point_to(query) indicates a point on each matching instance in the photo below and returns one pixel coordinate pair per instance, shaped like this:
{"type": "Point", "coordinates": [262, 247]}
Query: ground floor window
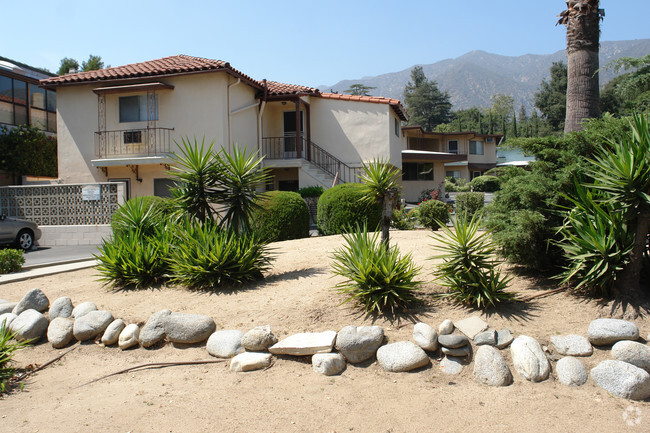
{"type": "Point", "coordinates": [417, 171]}
{"type": "Point", "coordinates": [474, 174]}
{"type": "Point", "coordinates": [162, 187]}
{"type": "Point", "coordinates": [453, 173]}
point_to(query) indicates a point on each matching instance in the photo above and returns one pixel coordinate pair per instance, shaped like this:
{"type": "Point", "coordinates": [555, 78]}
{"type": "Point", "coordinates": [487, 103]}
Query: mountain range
{"type": "Point", "coordinates": [473, 78]}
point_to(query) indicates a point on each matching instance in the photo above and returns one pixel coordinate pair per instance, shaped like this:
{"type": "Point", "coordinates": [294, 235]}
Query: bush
{"type": "Point", "coordinates": [11, 260]}
{"type": "Point", "coordinates": [456, 184]}
{"type": "Point", "coordinates": [433, 212]}
{"type": "Point", "coordinates": [429, 194]}
{"type": "Point", "coordinates": [377, 279]}
{"type": "Point", "coordinates": [468, 268]}
{"type": "Point", "coordinates": [8, 346]}
{"type": "Point", "coordinates": [311, 191]}
{"type": "Point", "coordinates": [403, 219]}
{"type": "Point", "coordinates": [282, 215]}
{"type": "Point", "coordinates": [342, 207]}
{"type": "Point", "coordinates": [469, 203]}
{"type": "Point", "coordinates": [485, 184]}
{"type": "Point", "coordinates": [144, 213]}
{"type": "Point", "coordinates": [26, 150]}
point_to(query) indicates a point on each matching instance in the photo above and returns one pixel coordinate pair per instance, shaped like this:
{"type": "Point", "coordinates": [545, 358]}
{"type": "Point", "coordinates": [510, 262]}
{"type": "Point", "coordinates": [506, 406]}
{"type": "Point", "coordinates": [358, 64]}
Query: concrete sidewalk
{"type": "Point", "coordinates": [46, 270]}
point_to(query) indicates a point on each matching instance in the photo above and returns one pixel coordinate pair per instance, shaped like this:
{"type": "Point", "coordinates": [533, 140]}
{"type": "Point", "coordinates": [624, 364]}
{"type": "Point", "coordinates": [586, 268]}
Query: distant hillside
{"type": "Point", "coordinates": [473, 78]}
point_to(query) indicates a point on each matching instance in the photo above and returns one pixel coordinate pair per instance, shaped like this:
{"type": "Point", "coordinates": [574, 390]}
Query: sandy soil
{"type": "Point", "coordinates": [289, 397]}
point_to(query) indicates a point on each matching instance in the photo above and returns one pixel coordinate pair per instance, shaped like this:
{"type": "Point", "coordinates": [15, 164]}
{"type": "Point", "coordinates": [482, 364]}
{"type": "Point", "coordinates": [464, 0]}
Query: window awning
{"type": "Point", "coordinates": [425, 155]}
{"type": "Point", "coordinates": [132, 88]}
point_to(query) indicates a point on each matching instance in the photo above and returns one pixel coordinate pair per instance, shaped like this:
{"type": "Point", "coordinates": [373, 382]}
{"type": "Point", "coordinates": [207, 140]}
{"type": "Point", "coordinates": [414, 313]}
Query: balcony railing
{"type": "Point", "coordinates": [133, 142]}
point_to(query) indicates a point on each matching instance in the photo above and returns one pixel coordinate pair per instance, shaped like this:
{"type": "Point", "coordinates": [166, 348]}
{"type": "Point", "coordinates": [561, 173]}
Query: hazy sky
{"type": "Point", "coordinates": [301, 42]}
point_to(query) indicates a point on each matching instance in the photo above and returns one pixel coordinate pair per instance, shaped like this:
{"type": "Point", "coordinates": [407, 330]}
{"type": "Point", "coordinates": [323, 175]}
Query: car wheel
{"type": "Point", "coordinates": [25, 239]}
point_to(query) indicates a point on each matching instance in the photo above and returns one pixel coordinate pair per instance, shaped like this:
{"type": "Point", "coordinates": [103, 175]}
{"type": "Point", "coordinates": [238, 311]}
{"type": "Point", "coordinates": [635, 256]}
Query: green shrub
{"type": "Point", "coordinates": [8, 346]}
{"type": "Point", "coordinates": [429, 194]}
{"type": "Point", "coordinates": [456, 184]}
{"type": "Point", "coordinates": [11, 260]}
{"type": "Point", "coordinates": [485, 183]}
{"type": "Point", "coordinates": [433, 212]}
{"type": "Point", "coordinates": [468, 267]}
{"type": "Point", "coordinates": [470, 203]}
{"type": "Point", "coordinates": [144, 213]}
{"type": "Point", "coordinates": [282, 215]}
{"type": "Point", "coordinates": [311, 191]}
{"type": "Point", "coordinates": [377, 279]}
{"type": "Point", "coordinates": [403, 219]}
{"type": "Point", "coordinates": [342, 207]}
{"type": "Point", "coordinates": [209, 257]}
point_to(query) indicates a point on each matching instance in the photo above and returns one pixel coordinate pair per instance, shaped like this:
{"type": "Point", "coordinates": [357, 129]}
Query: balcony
{"type": "Point", "coordinates": [145, 142]}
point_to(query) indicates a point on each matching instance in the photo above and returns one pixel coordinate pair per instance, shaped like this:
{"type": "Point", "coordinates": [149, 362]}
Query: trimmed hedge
{"type": "Point", "coordinates": [485, 183]}
{"type": "Point", "coordinates": [283, 215]}
{"type": "Point", "coordinates": [469, 203]}
{"type": "Point", "coordinates": [341, 207]}
{"type": "Point", "coordinates": [11, 260]}
{"type": "Point", "coordinates": [432, 211]}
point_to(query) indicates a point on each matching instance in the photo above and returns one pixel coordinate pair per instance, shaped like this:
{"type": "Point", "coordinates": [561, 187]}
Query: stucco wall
{"type": "Point", "coordinates": [411, 189]}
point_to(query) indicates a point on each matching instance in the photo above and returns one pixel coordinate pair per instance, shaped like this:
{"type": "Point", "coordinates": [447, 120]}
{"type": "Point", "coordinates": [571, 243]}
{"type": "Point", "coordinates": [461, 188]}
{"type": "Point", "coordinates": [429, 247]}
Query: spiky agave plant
{"type": "Point", "coordinates": [8, 347]}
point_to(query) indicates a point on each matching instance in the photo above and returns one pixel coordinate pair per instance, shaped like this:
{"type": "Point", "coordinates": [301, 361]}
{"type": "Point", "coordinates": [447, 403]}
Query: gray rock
{"type": "Point", "coordinates": [154, 330]}
{"type": "Point", "coordinates": [633, 353]}
{"type": "Point", "coordinates": [425, 336]}
{"type": "Point", "coordinates": [490, 368]}
{"type": "Point", "coordinates": [451, 365]}
{"type": "Point", "coordinates": [504, 338]}
{"type": "Point", "coordinates": [249, 361]}
{"type": "Point", "coordinates": [452, 341]}
{"type": "Point", "coordinates": [328, 364]}
{"type": "Point", "coordinates": [112, 333]}
{"type": "Point", "coordinates": [59, 333]}
{"type": "Point", "coordinates": [83, 309]}
{"type": "Point", "coordinates": [609, 331]}
{"type": "Point", "coordinates": [446, 327]}
{"type": "Point", "coordinates": [622, 379]}
{"type": "Point", "coordinates": [571, 372]}
{"type": "Point", "coordinates": [129, 336]}
{"type": "Point", "coordinates": [225, 344]}
{"type": "Point", "coordinates": [30, 325]}
{"type": "Point", "coordinates": [91, 325]}
{"type": "Point", "coordinates": [472, 326]}
{"type": "Point", "coordinates": [306, 343]}
{"type": "Point", "coordinates": [401, 356]}
{"type": "Point", "coordinates": [529, 360]}
{"type": "Point", "coordinates": [7, 307]}
{"type": "Point", "coordinates": [258, 339]}
{"type": "Point", "coordinates": [62, 307]}
{"type": "Point", "coordinates": [188, 328]}
{"type": "Point", "coordinates": [488, 337]}
{"type": "Point", "coordinates": [35, 299]}
{"type": "Point", "coordinates": [458, 351]}
{"type": "Point", "coordinates": [6, 319]}
{"type": "Point", "coordinates": [359, 343]}
{"type": "Point", "coordinates": [3, 301]}
{"type": "Point", "coordinates": [572, 345]}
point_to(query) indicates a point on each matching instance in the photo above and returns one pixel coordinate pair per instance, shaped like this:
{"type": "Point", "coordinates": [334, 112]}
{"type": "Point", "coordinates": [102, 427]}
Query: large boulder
{"type": "Point", "coordinates": [328, 364]}
{"type": "Point", "coordinates": [572, 345]}
{"type": "Point", "coordinates": [571, 372]}
{"type": "Point", "coordinates": [154, 330]}
{"type": "Point", "coordinates": [609, 331]}
{"type": "Point", "coordinates": [359, 343]}
{"type": "Point", "coordinates": [35, 299]}
{"type": "Point", "coordinates": [401, 356]}
{"type": "Point", "coordinates": [249, 361]}
{"type": "Point", "coordinates": [30, 325]}
{"type": "Point", "coordinates": [112, 333]}
{"type": "Point", "coordinates": [305, 343]}
{"type": "Point", "coordinates": [92, 325]}
{"type": "Point", "coordinates": [60, 332]}
{"type": "Point", "coordinates": [129, 336]}
{"type": "Point", "coordinates": [225, 344]}
{"type": "Point", "coordinates": [622, 379]}
{"type": "Point", "coordinates": [83, 309]}
{"type": "Point", "coordinates": [62, 307]}
{"type": "Point", "coordinates": [188, 328]}
{"type": "Point", "coordinates": [258, 339]}
{"type": "Point", "coordinates": [490, 368]}
{"type": "Point", "coordinates": [633, 353]}
{"type": "Point", "coordinates": [425, 336]}
{"type": "Point", "coordinates": [529, 359]}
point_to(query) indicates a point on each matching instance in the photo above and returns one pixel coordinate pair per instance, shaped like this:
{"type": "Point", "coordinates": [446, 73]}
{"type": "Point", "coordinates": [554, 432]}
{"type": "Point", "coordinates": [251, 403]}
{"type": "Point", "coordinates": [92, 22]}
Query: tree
{"type": "Point", "coordinates": [582, 20]}
{"type": "Point", "coordinates": [550, 99]}
{"type": "Point", "coordinates": [427, 105]}
{"type": "Point", "coordinates": [92, 64]}
{"type": "Point", "coordinates": [381, 184]}
{"type": "Point", "coordinates": [629, 92]}
{"type": "Point", "coordinates": [359, 89]}
{"type": "Point", "coordinates": [67, 64]}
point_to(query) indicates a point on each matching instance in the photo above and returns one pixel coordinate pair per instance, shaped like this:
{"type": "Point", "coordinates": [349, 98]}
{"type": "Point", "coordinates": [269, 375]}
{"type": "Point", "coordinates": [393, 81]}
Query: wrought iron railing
{"type": "Point", "coordinates": [133, 142]}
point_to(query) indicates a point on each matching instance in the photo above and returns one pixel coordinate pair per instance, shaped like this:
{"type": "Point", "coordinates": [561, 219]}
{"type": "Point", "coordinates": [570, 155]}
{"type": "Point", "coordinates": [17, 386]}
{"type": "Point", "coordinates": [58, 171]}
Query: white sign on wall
{"type": "Point", "coordinates": [90, 193]}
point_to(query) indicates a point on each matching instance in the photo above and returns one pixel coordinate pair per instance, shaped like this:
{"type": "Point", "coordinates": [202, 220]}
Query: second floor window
{"type": "Point", "coordinates": [452, 146]}
{"type": "Point", "coordinates": [134, 108]}
{"type": "Point", "coordinates": [476, 148]}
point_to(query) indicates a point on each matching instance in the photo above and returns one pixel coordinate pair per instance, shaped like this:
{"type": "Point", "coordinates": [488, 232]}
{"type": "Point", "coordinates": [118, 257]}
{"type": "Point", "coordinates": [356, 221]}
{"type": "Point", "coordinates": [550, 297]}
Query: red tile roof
{"type": "Point", "coordinates": [174, 65]}
{"type": "Point", "coordinates": [276, 89]}
{"type": "Point", "coordinates": [396, 104]}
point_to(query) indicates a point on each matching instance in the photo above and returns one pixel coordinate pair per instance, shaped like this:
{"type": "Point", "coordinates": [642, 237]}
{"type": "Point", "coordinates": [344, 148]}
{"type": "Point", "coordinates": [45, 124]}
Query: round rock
{"type": "Point", "coordinates": [62, 307]}
{"type": "Point", "coordinates": [129, 336]}
{"type": "Point", "coordinates": [30, 325]}
{"type": "Point", "coordinates": [609, 331]}
{"type": "Point", "coordinates": [488, 337]}
{"type": "Point", "coordinates": [35, 299]}
{"type": "Point", "coordinates": [451, 341]}
{"type": "Point", "coordinates": [425, 336]}
{"type": "Point", "coordinates": [154, 330]}
{"type": "Point", "coordinates": [91, 325]}
{"type": "Point", "coordinates": [446, 327]}
{"type": "Point", "coordinates": [622, 379]}
{"type": "Point", "coordinates": [571, 372]}
{"type": "Point", "coordinates": [328, 364]}
{"type": "Point", "coordinates": [633, 353]}
{"type": "Point", "coordinates": [504, 338]}
{"type": "Point", "coordinates": [572, 345]}
{"type": "Point", "coordinates": [83, 309]}
{"type": "Point", "coordinates": [401, 356]}
{"type": "Point", "coordinates": [359, 343]}
{"type": "Point", "coordinates": [225, 344]}
{"type": "Point", "coordinates": [59, 333]}
{"type": "Point", "coordinates": [188, 328]}
{"type": "Point", "coordinates": [451, 365]}
{"type": "Point", "coordinates": [7, 307]}
{"type": "Point", "coordinates": [258, 339]}
{"type": "Point", "coordinates": [458, 351]}
{"type": "Point", "coordinates": [249, 361]}
{"type": "Point", "coordinates": [529, 359]}
{"type": "Point", "coordinates": [490, 368]}
{"type": "Point", "coordinates": [112, 333]}
{"type": "Point", "coordinates": [6, 319]}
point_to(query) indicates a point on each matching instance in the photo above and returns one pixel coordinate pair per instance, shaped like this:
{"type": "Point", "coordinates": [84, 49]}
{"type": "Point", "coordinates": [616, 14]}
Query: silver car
{"type": "Point", "coordinates": [20, 233]}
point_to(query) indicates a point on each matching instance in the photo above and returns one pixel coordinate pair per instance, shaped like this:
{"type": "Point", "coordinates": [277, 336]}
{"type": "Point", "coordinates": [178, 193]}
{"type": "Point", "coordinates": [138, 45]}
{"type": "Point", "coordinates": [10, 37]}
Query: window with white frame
{"type": "Point", "coordinates": [475, 147]}
{"type": "Point", "coordinates": [134, 108]}
{"type": "Point", "coordinates": [453, 173]}
{"type": "Point", "coordinates": [452, 146]}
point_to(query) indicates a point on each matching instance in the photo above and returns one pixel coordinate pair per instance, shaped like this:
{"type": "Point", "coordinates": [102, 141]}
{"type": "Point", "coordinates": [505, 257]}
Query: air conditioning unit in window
{"type": "Point", "coordinates": [132, 137]}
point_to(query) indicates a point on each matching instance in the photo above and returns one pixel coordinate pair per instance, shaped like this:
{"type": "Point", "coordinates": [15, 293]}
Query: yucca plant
{"type": "Point", "coordinates": [380, 181]}
{"type": "Point", "coordinates": [8, 347]}
{"type": "Point", "coordinates": [209, 257]}
{"type": "Point", "coordinates": [138, 213]}
{"type": "Point", "coordinates": [469, 268]}
{"type": "Point", "coordinates": [378, 279]}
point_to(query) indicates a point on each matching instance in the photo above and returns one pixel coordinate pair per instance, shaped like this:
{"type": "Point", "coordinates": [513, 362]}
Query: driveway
{"type": "Point", "coordinates": [59, 254]}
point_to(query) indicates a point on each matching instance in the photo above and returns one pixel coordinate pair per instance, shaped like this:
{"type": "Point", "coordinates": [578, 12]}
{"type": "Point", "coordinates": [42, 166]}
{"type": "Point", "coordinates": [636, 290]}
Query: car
{"type": "Point", "coordinates": [20, 233]}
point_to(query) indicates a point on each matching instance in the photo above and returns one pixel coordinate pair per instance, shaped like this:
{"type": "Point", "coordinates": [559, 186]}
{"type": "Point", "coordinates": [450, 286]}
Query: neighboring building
{"type": "Point", "coordinates": [122, 123]}
{"type": "Point", "coordinates": [429, 157]}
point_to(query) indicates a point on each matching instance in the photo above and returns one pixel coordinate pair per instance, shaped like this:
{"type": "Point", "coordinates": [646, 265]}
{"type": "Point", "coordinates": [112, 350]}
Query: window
{"type": "Point", "coordinates": [131, 137]}
{"type": "Point", "coordinates": [134, 108]}
{"type": "Point", "coordinates": [396, 126]}
{"type": "Point", "coordinates": [162, 187]}
{"type": "Point", "coordinates": [452, 146]}
{"type": "Point", "coordinates": [417, 171]}
{"type": "Point", "coordinates": [474, 174]}
{"type": "Point", "coordinates": [14, 109]}
{"type": "Point", "coordinates": [489, 139]}
{"type": "Point", "coordinates": [475, 147]}
{"type": "Point", "coordinates": [453, 173]}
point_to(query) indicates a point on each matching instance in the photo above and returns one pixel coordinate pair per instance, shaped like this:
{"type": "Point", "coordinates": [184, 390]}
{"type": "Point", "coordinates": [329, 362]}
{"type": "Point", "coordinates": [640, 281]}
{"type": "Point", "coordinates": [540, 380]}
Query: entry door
{"type": "Point", "coordinates": [290, 150]}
